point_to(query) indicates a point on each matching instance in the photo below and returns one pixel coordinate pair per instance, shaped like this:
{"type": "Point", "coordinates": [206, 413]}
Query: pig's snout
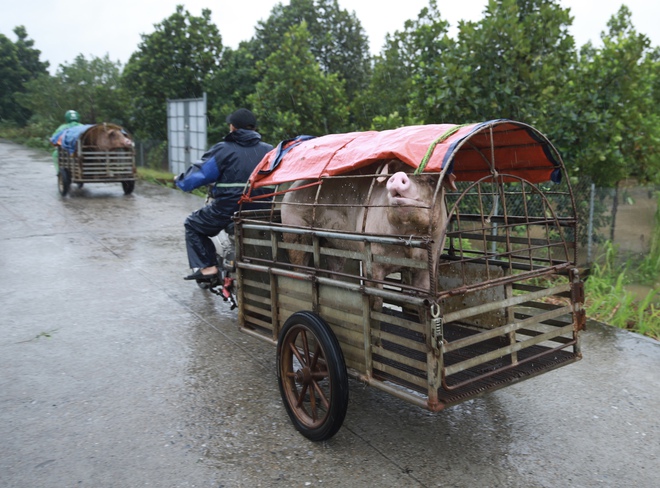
{"type": "Point", "coordinates": [398, 184]}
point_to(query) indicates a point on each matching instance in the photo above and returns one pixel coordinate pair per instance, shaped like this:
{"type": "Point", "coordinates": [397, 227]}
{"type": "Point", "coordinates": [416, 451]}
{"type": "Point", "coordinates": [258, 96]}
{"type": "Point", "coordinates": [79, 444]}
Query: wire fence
{"type": "Point", "coordinates": [152, 155]}
{"type": "Point", "coordinates": [626, 217]}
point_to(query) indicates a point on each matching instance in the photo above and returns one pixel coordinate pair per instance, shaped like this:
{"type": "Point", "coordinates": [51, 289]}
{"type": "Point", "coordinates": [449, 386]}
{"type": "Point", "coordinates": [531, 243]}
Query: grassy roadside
{"type": "Point", "coordinates": [608, 291]}
{"type": "Point", "coordinates": [609, 300]}
{"type": "Point", "coordinates": [163, 178]}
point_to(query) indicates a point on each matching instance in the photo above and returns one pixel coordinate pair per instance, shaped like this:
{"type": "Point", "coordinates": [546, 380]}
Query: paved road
{"type": "Point", "coordinates": [114, 372]}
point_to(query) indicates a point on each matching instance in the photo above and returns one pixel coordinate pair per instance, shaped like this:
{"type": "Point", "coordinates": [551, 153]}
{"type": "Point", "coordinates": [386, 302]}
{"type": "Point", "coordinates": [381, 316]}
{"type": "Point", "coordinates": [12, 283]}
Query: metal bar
{"type": "Point", "coordinates": [397, 373]}
{"type": "Point", "coordinates": [504, 351]}
{"type": "Point", "coordinates": [515, 220]}
{"type": "Point", "coordinates": [256, 334]}
{"type": "Point", "coordinates": [502, 281]}
{"type": "Point", "coordinates": [502, 330]}
{"type": "Point", "coordinates": [398, 392]}
{"type": "Point", "coordinates": [517, 300]}
{"type": "Point", "coordinates": [448, 387]}
{"type": "Point", "coordinates": [400, 240]}
{"type": "Point", "coordinates": [401, 341]}
{"type": "Point", "coordinates": [394, 296]}
{"type": "Point", "coordinates": [515, 240]}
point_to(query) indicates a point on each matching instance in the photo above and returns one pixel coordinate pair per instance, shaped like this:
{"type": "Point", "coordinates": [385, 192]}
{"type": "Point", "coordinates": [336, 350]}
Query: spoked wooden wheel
{"type": "Point", "coordinates": [312, 376]}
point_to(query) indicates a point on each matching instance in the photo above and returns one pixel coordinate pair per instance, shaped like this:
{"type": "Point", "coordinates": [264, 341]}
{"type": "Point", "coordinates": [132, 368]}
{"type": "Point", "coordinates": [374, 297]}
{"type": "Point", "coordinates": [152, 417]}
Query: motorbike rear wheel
{"type": "Point", "coordinates": [128, 187]}
{"type": "Point", "coordinates": [63, 181]}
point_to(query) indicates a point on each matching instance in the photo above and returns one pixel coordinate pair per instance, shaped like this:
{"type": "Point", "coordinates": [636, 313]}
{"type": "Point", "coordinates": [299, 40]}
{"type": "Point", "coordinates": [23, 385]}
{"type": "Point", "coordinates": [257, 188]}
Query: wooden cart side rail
{"type": "Point", "coordinates": [342, 253]}
{"type": "Point", "coordinates": [518, 346]}
{"type": "Point", "coordinates": [515, 300]}
{"type": "Point", "coordinates": [388, 295]}
{"type": "Point", "coordinates": [412, 379]}
{"type": "Point", "coordinates": [530, 268]}
{"type": "Point", "coordinates": [530, 323]}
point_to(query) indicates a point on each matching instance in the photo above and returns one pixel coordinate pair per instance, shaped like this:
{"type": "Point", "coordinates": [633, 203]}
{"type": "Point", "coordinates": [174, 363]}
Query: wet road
{"type": "Point", "coordinates": [115, 372]}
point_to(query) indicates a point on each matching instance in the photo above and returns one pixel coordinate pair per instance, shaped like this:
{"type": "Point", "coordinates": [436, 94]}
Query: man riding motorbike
{"type": "Point", "coordinates": [227, 167]}
{"type": "Point", "coordinates": [72, 119]}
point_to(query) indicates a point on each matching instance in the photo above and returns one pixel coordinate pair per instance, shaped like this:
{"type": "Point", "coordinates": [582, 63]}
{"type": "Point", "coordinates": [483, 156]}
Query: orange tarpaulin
{"type": "Point", "coordinates": [470, 152]}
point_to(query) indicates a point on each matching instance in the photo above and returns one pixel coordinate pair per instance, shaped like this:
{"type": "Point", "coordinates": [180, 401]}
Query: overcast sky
{"type": "Point", "coordinates": [63, 29]}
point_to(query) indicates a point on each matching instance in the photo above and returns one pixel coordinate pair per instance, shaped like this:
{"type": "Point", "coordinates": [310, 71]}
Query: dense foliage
{"type": "Point", "coordinates": [293, 95]}
{"type": "Point", "coordinates": [175, 61]}
{"type": "Point", "coordinates": [19, 63]}
{"type": "Point", "coordinates": [91, 87]}
{"type": "Point", "coordinates": [307, 69]}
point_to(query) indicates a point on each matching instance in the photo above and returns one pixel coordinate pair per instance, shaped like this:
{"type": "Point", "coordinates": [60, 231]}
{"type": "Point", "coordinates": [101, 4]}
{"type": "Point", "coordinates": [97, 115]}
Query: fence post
{"type": "Point", "coordinates": [590, 224]}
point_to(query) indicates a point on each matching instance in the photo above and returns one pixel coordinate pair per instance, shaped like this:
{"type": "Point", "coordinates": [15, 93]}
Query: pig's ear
{"type": "Point", "coordinates": [384, 172]}
{"type": "Point", "coordinates": [448, 182]}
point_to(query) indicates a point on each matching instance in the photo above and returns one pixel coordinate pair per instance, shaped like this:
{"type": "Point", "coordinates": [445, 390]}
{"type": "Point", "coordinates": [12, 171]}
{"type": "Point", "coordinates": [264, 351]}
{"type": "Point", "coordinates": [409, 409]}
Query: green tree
{"type": "Point", "coordinates": [19, 63]}
{"type": "Point", "coordinates": [229, 88]}
{"type": "Point", "coordinates": [175, 61]}
{"type": "Point", "coordinates": [28, 55]}
{"type": "Point", "coordinates": [406, 54]}
{"type": "Point", "coordinates": [507, 65]}
{"type": "Point", "coordinates": [337, 39]}
{"type": "Point", "coordinates": [610, 128]}
{"type": "Point", "coordinates": [91, 87]}
{"type": "Point", "coordinates": [613, 127]}
{"type": "Point", "coordinates": [294, 95]}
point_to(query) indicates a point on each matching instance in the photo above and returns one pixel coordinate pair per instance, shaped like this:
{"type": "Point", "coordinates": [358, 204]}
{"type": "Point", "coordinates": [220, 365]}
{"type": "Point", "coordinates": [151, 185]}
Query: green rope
{"type": "Point", "coordinates": [429, 151]}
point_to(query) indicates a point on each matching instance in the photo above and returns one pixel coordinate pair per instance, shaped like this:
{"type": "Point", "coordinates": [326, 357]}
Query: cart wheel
{"type": "Point", "coordinates": [63, 181]}
{"type": "Point", "coordinates": [312, 376]}
{"type": "Point", "coordinates": [128, 187]}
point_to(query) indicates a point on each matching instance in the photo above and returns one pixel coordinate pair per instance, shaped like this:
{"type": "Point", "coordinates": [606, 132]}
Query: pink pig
{"type": "Point", "coordinates": [398, 204]}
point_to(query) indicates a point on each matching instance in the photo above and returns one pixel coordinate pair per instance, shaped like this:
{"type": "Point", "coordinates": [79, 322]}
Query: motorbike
{"type": "Point", "coordinates": [225, 248]}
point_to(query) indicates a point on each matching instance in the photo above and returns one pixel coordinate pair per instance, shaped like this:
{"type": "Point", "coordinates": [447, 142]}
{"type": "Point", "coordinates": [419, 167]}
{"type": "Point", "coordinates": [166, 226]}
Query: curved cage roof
{"type": "Point", "coordinates": [470, 152]}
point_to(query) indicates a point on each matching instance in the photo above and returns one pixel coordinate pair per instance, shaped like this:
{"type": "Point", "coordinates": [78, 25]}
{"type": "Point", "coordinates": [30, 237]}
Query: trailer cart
{"type": "Point", "coordinates": [504, 301]}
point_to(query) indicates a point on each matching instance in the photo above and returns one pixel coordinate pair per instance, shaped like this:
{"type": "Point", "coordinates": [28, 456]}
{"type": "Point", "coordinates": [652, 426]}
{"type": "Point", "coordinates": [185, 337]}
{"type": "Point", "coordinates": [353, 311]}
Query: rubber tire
{"type": "Point", "coordinates": [316, 420]}
{"type": "Point", "coordinates": [204, 285]}
{"type": "Point", "coordinates": [128, 187]}
{"type": "Point", "coordinates": [63, 181]}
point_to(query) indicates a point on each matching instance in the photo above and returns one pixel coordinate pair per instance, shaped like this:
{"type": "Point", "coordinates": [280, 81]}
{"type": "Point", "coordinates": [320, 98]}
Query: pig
{"type": "Point", "coordinates": [398, 204]}
{"type": "Point", "coordinates": [104, 137]}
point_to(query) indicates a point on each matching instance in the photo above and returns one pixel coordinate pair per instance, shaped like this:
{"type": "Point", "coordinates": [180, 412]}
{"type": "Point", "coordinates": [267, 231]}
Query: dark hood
{"type": "Point", "coordinates": [244, 137]}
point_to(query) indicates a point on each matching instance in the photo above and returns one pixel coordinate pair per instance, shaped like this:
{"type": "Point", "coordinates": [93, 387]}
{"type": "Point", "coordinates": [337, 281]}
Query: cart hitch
{"type": "Point", "coordinates": [225, 291]}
